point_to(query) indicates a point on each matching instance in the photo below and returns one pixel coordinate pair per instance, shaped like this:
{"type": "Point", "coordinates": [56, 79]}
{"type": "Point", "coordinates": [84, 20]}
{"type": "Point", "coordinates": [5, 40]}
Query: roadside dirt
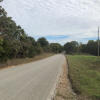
{"type": "Point", "coordinates": [20, 61]}
{"type": "Point", "coordinates": [64, 90]}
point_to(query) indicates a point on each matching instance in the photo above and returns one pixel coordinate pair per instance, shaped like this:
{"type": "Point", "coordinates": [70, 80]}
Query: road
{"type": "Point", "coordinates": [32, 81]}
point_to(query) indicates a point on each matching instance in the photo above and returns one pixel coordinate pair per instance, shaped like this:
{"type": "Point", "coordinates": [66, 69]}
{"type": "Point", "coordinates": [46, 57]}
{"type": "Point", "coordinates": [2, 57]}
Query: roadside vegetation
{"type": "Point", "coordinates": [84, 73]}
{"type": "Point", "coordinates": [16, 44]}
{"type": "Point", "coordinates": [17, 61]}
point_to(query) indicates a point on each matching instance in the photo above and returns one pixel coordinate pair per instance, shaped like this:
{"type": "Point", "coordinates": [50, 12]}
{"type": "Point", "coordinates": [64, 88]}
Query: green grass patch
{"type": "Point", "coordinates": [84, 73]}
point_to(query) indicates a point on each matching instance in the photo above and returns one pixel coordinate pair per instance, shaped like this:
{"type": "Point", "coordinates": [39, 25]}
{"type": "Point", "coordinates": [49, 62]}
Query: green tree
{"type": "Point", "coordinates": [1, 0]}
{"type": "Point", "coordinates": [71, 47]}
{"type": "Point", "coordinates": [83, 48]}
{"type": "Point", "coordinates": [56, 47]}
{"type": "Point", "coordinates": [2, 11]}
{"type": "Point", "coordinates": [43, 43]}
{"type": "Point", "coordinates": [2, 51]}
{"type": "Point", "coordinates": [92, 47]}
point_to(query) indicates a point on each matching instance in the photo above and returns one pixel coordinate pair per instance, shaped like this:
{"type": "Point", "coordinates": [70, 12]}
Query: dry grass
{"type": "Point", "coordinates": [13, 62]}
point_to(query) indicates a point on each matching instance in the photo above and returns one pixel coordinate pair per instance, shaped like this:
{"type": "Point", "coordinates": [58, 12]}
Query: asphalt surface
{"type": "Point", "coordinates": [32, 81]}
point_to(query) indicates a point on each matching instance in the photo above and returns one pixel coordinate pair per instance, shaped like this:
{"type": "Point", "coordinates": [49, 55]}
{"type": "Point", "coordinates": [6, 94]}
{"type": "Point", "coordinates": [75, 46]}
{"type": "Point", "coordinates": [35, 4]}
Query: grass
{"type": "Point", "coordinates": [18, 61]}
{"type": "Point", "coordinates": [84, 73]}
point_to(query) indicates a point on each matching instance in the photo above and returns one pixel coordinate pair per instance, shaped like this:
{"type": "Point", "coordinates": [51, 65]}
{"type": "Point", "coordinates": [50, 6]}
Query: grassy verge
{"type": "Point", "coordinates": [23, 60]}
{"type": "Point", "coordinates": [84, 73]}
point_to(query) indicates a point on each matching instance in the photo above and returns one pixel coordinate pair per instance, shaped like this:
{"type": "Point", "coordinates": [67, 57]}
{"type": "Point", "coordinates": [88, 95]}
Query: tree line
{"type": "Point", "coordinates": [89, 48]}
{"type": "Point", "coordinates": [15, 43]}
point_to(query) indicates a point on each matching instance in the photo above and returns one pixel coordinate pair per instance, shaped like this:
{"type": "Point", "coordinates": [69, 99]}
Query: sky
{"type": "Point", "coordinates": [58, 20]}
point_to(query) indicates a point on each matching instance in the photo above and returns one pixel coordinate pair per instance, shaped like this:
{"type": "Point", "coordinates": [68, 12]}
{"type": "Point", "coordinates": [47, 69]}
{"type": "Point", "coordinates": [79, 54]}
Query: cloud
{"type": "Point", "coordinates": [78, 20]}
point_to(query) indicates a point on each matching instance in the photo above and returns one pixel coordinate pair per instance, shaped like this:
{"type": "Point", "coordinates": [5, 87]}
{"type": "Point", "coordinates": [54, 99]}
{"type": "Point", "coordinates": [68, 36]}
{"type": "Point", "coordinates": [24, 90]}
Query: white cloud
{"type": "Point", "coordinates": [76, 18]}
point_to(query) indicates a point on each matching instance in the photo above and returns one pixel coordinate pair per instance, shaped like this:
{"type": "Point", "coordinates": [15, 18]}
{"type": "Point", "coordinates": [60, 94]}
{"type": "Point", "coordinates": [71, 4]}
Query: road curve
{"type": "Point", "coordinates": [32, 81]}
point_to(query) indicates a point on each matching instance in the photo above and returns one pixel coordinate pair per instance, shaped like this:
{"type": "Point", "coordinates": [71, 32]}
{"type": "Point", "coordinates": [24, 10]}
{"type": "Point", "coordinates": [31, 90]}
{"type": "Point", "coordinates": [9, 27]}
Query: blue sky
{"type": "Point", "coordinates": [57, 20]}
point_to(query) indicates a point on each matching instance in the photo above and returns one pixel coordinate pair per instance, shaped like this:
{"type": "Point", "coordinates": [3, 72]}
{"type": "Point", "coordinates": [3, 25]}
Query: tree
{"type": "Point", "coordinates": [38, 48]}
{"type": "Point", "coordinates": [30, 44]}
{"type": "Point", "coordinates": [14, 43]}
{"type": "Point", "coordinates": [43, 43]}
{"type": "Point", "coordinates": [1, 0]}
{"type": "Point", "coordinates": [7, 26]}
{"type": "Point", "coordinates": [2, 11]}
{"type": "Point", "coordinates": [71, 47]}
{"type": "Point", "coordinates": [83, 48]}
{"type": "Point", "coordinates": [11, 47]}
{"type": "Point", "coordinates": [2, 51]}
{"type": "Point", "coordinates": [56, 47]}
{"type": "Point", "coordinates": [92, 47]}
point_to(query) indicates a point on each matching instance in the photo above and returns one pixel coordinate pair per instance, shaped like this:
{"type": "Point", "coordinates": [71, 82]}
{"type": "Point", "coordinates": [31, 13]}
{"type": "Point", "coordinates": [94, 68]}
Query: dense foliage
{"type": "Point", "coordinates": [74, 47]}
{"type": "Point", "coordinates": [56, 47]}
{"type": "Point", "coordinates": [14, 43]}
{"type": "Point", "coordinates": [71, 47]}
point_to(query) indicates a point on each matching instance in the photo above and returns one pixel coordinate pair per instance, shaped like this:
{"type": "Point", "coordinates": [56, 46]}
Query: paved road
{"type": "Point", "coordinates": [32, 81]}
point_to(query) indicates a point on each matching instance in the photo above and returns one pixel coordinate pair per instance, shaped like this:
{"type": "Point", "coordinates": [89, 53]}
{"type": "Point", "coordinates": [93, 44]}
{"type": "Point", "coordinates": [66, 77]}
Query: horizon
{"type": "Point", "coordinates": [57, 21]}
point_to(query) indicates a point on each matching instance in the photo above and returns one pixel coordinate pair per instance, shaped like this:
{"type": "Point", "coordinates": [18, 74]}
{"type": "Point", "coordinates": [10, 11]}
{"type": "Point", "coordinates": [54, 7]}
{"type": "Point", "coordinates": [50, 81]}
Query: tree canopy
{"type": "Point", "coordinates": [71, 47]}
{"type": "Point", "coordinates": [56, 47]}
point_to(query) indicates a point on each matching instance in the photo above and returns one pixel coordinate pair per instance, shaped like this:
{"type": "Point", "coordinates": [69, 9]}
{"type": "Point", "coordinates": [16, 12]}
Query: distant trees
{"type": "Point", "coordinates": [14, 43]}
{"type": "Point", "coordinates": [71, 47]}
{"type": "Point", "coordinates": [74, 47]}
{"type": "Point", "coordinates": [90, 47]}
{"type": "Point", "coordinates": [43, 43]}
{"type": "Point", "coordinates": [56, 47]}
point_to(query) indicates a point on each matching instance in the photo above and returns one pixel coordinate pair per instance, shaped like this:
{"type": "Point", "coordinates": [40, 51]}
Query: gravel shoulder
{"type": "Point", "coordinates": [64, 90]}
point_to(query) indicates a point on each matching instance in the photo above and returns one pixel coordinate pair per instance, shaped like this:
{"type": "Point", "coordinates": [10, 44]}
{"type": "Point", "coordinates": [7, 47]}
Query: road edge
{"type": "Point", "coordinates": [64, 89]}
{"type": "Point", "coordinates": [54, 88]}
